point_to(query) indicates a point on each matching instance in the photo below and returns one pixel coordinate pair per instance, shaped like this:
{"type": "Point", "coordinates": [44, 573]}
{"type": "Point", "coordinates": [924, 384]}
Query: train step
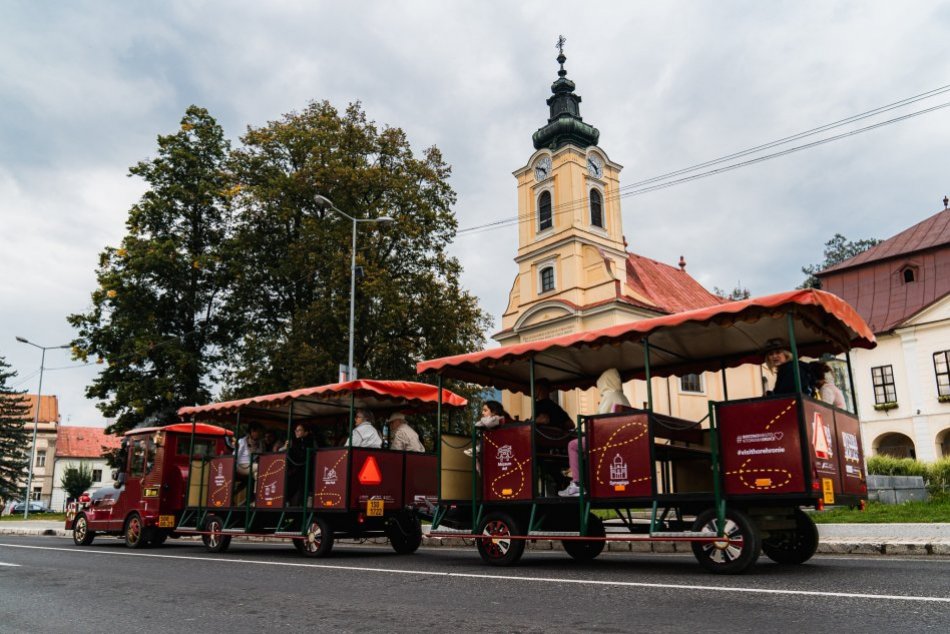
{"type": "Point", "coordinates": [684, 534]}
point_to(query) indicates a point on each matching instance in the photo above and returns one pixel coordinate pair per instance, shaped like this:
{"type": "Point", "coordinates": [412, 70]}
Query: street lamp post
{"type": "Point", "coordinates": [36, 422]}
{"type": "Point", "coordinates": [325, 203]}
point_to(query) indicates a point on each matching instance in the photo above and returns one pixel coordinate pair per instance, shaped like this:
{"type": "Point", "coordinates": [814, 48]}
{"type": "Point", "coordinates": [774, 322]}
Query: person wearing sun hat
{"type": "Point", "coordinates": [405, 437]}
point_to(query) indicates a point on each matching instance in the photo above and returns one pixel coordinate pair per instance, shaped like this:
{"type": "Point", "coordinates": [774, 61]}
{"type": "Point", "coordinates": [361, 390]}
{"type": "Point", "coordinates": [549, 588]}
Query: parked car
{"type": "Point", "coordinates": [35, 507]}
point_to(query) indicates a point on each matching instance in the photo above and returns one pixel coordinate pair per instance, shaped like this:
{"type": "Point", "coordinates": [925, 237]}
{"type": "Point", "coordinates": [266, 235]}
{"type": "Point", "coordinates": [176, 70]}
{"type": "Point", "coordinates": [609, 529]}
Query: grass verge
{"type": "Point", "coordinates": [47, 517]}
{"type": "Point", "coordinates": [935, 510]}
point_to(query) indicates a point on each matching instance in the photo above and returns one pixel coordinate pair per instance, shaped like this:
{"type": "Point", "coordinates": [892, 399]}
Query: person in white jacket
{"type": "Point", "coordinates": [611, 397]}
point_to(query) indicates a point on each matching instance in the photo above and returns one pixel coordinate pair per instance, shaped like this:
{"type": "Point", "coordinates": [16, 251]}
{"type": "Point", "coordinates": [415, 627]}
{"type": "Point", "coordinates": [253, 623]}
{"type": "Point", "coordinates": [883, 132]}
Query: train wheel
{"type": "Point", "coordinates": [405, 533]}
{"type": "Point", "coordinates": [497, 548]}
{"type": "Point", "coordinates": [725, 557]}
{"type": "Point", "coordinates": [587, 549]}
{"type": "Point", "coordinates": [795, 546]}
{"type": "Point", "coordinates": [215, 541]}
{"type": "Point", "coordinates": [318, 541]}
{"type": "Point", "coordinates": [82, 536]}
{"type": "Point", "coordinates": [136, 534]}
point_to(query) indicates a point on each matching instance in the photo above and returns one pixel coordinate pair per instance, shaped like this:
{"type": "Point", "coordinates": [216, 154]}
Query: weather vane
{"type": "Point", "coordinates": [561, 40]}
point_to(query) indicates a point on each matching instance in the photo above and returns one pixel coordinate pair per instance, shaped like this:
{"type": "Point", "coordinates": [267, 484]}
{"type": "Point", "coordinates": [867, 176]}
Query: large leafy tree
{"type": "Point", "coordinates": [154, 319]}
{"type": "Point", "coordinates": [14, 435]}
{"type": "Point", "coordinates": [837, 250]}
{"type": "Point", "coordinates": [292, 257]}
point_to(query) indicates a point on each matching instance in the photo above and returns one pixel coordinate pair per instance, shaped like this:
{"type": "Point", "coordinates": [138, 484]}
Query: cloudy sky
{"type": "Point", "coordinates": [85, 87]}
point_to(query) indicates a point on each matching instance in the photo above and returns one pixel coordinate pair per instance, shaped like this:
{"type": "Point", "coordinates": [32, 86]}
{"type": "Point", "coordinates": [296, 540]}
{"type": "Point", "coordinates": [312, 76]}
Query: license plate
{"type": "Point", "coordinates": [828, 490]}
{"type": "Point", "coordinates": [374, 508]}
{"type": "Point", "coordinates": [166, 521]}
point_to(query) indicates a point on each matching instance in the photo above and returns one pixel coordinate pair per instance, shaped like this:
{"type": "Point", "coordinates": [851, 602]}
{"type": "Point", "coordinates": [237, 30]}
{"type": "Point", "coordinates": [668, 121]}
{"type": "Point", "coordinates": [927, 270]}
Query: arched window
{"type": "Point", "coordinates": [547, 279]}
{"type": "Point", "coordinates": [596, 209]}
{"type": "Point", "coordinates": [908, 275]}
{"type": "Point", "coordinates": [544, 211]}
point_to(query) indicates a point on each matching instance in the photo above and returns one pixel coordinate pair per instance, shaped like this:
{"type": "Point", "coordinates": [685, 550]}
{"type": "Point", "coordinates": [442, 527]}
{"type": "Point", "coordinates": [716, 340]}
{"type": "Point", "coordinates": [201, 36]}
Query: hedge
{"type": "Point", "coordinates": [936, 475]}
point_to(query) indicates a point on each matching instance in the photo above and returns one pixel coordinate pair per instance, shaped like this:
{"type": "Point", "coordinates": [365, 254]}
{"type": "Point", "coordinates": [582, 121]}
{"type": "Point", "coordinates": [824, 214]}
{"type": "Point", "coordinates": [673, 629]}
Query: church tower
{"type": "Point", "coordinates": [574, 272]}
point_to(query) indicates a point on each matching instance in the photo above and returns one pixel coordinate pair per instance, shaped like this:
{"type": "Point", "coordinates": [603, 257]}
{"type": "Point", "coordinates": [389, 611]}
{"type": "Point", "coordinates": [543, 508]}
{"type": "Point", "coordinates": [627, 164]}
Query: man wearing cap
{"type": "Point", "coordinates": [404, 437]}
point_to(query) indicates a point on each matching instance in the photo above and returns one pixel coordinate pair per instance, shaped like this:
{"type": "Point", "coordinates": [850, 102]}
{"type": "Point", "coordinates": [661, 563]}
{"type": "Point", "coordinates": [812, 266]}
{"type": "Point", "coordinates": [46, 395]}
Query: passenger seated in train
{"type": "Point", "coordinates": [493, 415]}
{"type": "Point", "coordinates": [611, 398]}
{"type": "Point", "coordinates": [364, 434]}
{"type": "Point", "coordinates": [777, 358]}
{"type": "Point", "coordinates": [404, 437]}
{"type": "Point", "coordinates": [297, 449]}
{"type": "Point", "coordinates": [248, 447]}
{"type": "Point", "coordinates": [271, 441]}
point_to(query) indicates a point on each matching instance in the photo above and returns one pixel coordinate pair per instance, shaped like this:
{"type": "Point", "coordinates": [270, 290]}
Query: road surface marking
{"type": "Point", "coordinates": [11, 565]}
{"type": "Point", "coordinates": [466, 575]}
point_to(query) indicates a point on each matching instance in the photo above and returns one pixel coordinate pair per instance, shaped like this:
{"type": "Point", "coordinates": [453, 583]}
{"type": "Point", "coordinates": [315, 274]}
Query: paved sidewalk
{"type": "Point", "coordinates": [855, 539]}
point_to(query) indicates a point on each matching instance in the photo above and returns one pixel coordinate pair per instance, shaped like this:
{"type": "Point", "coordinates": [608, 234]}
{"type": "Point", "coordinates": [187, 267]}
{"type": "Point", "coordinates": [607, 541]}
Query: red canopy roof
{"type": "Point", "coordinates": [202, 429]}
{"type": "Point", "coordinates": [704, 339]}
{"type": "Point", "coordinates": [333, 399]}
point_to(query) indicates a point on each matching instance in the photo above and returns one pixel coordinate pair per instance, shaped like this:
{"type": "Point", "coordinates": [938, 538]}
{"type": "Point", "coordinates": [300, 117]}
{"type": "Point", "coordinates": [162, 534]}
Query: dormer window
{"type": "Point", "coordinates": [545, 221]}
{"type": "Point", "coordinates": [909, 274]}
{"type": "Point", "coordinates": [596, 209]}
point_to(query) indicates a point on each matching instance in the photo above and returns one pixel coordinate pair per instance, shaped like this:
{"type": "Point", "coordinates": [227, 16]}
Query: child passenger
{"type": "Point", "coordinates": [493, 415]}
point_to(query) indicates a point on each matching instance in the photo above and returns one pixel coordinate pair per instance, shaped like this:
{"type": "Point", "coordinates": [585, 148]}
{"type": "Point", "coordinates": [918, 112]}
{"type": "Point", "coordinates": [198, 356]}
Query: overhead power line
{"type": "Point", "coordinates": [647, 185]}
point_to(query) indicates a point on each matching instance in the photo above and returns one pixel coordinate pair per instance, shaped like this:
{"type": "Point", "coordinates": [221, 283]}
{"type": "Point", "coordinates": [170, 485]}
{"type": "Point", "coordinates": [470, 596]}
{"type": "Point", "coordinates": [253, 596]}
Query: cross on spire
{"type": "Point", "coordinates": [561, 41]}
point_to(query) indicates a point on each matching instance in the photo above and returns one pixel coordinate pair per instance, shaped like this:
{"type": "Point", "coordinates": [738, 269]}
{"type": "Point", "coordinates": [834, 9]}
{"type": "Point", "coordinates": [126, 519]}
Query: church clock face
{"type": "Point", "coordinates": [595, 166]}
{"type": "Point", "coordinates": [543, 168]}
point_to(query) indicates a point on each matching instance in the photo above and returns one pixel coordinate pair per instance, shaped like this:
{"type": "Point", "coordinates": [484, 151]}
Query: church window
{"type": "Point", "coordinates": [547, 279]}
{"type": "Point", "coordinates": [545, 221]}
{"type": "Point", "coordinates": [691, 383]}
{"type": "Point", "coordinates": [596, 209]}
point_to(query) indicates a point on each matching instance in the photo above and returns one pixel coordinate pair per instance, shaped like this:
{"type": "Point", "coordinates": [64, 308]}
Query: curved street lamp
{"type": "Point", "coordinates": [36, 421]}
{"type": "Point", "coordinates": [325, 203]}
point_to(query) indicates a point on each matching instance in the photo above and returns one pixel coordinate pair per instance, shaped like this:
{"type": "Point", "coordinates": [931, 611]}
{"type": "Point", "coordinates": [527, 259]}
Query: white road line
{"type": "Point", "coordinates": [11, 565]}
{"type": "Point", "coordinates": [464, 575]}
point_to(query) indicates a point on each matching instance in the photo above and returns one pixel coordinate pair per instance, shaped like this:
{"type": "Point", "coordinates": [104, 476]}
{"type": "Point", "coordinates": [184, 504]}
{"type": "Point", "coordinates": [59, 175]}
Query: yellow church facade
{"type": "Point", "coordinates": [576, 274]}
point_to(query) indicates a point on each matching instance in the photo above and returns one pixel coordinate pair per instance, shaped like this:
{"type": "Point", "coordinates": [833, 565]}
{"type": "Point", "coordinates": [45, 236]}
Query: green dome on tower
{"type": "Point", "coordinates": [565, 124]}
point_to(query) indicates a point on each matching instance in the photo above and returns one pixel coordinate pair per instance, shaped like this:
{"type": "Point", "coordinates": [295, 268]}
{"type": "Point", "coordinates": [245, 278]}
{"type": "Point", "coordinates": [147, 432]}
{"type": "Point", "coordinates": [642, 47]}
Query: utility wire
{"type": "Point", "coordinates": [638, 188]}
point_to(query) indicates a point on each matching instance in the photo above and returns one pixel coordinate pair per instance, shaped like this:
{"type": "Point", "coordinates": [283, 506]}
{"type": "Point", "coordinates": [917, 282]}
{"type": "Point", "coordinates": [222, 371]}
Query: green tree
{"type": "Point", "coordinates": [14, 436]}
{"type": "Point", "coordinates": [154, 319]}
{"type": "Point", "coordinates": [738, 293]}
{"type": "Point", "coordinates": [76, 479]}
{"type": "Point", "coordinates": [292, 258]}
{"type": "Point", "coordinates": [837, 250]}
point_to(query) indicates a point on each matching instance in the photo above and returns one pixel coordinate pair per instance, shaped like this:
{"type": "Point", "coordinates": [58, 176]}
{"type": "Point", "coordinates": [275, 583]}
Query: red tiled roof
{"type": "Point", "coordinates": [83, 442]}
{"type": "Point", "coordinates": [927, 234]}
{"type": "Point", "coordinates": [49, 408]}
{"type": "Point", "coordinates": [670, 289]}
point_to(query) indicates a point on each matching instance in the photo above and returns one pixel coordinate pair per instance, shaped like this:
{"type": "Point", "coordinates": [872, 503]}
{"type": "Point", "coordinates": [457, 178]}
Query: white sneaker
{"type": "Point", "coordinates": [572, 491]}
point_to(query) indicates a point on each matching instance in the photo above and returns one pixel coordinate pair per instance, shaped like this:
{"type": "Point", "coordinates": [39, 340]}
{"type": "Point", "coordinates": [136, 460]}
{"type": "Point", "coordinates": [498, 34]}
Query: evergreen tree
{"type": "Point", "coordinates": [738, 293]}
{"type": "Point", "coordinates": [292, 258]}
{"type": "Point", "coordinates": [76, 479]}
{"type": "Point", "coordinates": [14, 436]}
{"type": "Point", "coordinates": [154, 319]}
{"type": "Point", "coordinates": [837, 250]}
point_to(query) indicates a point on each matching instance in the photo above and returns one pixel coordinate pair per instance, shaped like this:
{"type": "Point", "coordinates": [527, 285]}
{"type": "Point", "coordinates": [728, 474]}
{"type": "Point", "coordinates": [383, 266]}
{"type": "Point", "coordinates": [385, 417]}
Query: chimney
{"type": "Point", "coordinates": [682, 263]}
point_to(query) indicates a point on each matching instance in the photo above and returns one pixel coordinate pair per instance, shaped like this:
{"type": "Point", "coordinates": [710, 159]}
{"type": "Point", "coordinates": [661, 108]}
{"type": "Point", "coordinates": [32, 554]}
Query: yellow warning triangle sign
{"type": "Point", "coordinates": [819, 437]}
{"type": "Point", "coordinates": [369, 472]}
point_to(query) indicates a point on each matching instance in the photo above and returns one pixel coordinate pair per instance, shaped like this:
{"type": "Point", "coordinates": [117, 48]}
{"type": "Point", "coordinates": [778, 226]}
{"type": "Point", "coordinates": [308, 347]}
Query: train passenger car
{"type": "Point", "coordinates": [733, 484]}
{"type": "Point", "coordinates": [326, 492]}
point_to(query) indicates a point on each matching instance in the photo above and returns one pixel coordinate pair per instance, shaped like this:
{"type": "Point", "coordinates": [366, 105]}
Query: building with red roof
{"type": "Point", "coordinates": [901, 287]}
{"type": "Point", "coordinates": [81, 446]}
{"type": "Point", "coordinates": [47, 426]}
{"type": "Point", "coordinates": [574, 270]}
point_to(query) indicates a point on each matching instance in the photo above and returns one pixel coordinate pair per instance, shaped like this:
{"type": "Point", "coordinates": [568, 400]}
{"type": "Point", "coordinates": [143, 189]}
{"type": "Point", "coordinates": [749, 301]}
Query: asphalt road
{"type": "Point", "coordinates": [49, 585]}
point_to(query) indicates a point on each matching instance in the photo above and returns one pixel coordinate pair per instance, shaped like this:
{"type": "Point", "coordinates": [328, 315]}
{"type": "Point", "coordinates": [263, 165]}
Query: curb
{"type": "Point", "coordinates": [828, 547]}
